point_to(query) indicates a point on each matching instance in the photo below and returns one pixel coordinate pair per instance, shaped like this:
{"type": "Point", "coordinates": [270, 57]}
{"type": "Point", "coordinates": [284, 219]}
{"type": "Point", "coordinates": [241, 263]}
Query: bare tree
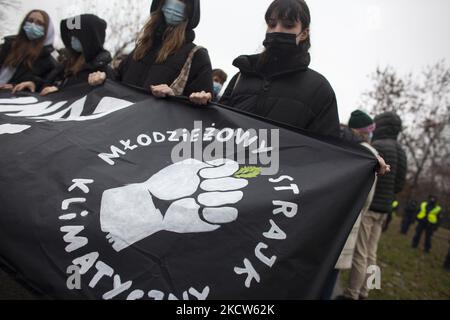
{"type": "Point", "coordinates": [125, 20]}
{"type": "Point", "coordinates": [6, 6]}
{"type": "Point", "coordinates": [423, 102]}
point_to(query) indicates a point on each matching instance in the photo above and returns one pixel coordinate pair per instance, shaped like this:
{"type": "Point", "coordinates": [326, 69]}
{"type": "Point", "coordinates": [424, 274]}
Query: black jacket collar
{"type": "Point", "coordinates": [252, 65]}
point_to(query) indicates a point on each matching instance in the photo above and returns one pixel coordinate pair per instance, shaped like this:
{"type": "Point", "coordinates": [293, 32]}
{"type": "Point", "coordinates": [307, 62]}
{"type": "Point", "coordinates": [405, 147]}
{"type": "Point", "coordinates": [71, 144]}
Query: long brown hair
{"type": "Point", "coordinates": [75, 63]}
{"type": "Point", "coordinates": [173, 39]}
{"type": "Point", "coordinates": [23, 50]}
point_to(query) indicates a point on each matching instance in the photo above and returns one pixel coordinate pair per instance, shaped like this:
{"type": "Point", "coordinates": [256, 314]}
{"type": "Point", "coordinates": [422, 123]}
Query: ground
{"type": "Point", "coordinates": [411, 274]}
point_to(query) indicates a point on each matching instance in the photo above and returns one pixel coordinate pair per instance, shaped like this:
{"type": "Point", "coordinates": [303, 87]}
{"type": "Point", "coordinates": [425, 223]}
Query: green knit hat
{"type": "Point", "coordinates": [360, 120]}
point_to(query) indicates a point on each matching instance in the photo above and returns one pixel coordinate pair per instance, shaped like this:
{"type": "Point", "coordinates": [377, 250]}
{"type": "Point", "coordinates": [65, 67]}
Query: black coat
{"type": "Point", "coordinates": [385, 138]}
{"type": "Point", "coordinates": [40, 69]}
{"type": "Point", "coordinates": [289, 93]}
{"type": "Point", "coordinates": [100, 63]}
{"type": "Point", "coordinates": [92, 37]}
{"type": "Point", "coordinates": [147, 72]}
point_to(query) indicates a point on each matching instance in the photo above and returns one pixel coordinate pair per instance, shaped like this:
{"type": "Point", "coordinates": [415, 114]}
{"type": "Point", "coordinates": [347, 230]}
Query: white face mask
{"type": "Point", "coordinates": [76, 45]}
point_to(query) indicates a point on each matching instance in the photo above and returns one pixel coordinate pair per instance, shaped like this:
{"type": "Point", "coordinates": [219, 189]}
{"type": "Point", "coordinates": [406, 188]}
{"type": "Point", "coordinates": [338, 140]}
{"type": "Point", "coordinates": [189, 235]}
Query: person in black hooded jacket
{"type": "Point", "coordinates": [162, 50]}
{"type": "Point", "coordinates": [87, 61]}
{"type": "Point", "coordinates": [27, 56]}
{"type": "Point", "coordinates": [389, 127]}
{"type": "Point", "coordinates": [277, 84]}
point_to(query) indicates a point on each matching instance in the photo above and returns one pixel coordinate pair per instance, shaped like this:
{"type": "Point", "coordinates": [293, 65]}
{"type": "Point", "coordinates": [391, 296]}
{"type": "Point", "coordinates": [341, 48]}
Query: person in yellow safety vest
{"type": "Point", "coordinates": [428, 218]}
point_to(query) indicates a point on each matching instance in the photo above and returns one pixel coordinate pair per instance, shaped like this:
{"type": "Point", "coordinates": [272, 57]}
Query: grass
{"type": "Point", "coordinates": [411, 274]}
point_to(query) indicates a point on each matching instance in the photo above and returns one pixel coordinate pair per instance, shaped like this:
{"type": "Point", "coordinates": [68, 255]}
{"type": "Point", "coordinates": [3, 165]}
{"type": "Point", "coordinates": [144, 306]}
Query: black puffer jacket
{"type": "Point", "coordinates": [92, 38]}
{"type": "Point", "coordinates": [389, 126]}
{"type": "Point", "coordinates": [41, 67]}
{"type": "Point", "coordinates": [147, 72]}
{"type": "Point", "coordinates": [290, 93]}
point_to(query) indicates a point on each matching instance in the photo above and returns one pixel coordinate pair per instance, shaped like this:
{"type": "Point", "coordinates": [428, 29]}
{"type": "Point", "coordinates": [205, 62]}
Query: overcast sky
{"type": "Point", "coordinates": [350, 38]}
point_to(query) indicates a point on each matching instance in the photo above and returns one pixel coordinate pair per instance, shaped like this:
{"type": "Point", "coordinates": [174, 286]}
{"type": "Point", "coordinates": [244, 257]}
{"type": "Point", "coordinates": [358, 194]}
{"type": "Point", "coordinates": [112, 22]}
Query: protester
{"type": "Point", "coordinates": [428, 222]}
{"type": "Point", "coordinates": [27, 55]}
{"type": "Point", "coordinates": [409, 216]}
{"type": "Point", "coordinates": [360, 130]}
{"type": "Point", "coordinates": [86, 62]}
{"type": "Point", "coordinates": [219, 78]}
{"type": "Point", "coordinates": [278, 84]}
{"type": "Point", "coordinates": [165, 60]}
{"type": "Point", "coordinates": [389, 126]}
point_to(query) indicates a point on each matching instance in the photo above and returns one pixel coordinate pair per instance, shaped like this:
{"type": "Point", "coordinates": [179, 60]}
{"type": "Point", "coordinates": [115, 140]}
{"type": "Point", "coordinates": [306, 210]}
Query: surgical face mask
{"type": "Point", "coordinates": [217, 88]}
{"type": "Point", "coordinates": [281, 42]}
{"type": "Point", "coordinates": [370, 136]}
{"type": "Point", "coordinates": [33, 31]}
{"type": "Point", "coordinates": [76, 45]}
{"type": "Point", "coordinates": [174, 12]}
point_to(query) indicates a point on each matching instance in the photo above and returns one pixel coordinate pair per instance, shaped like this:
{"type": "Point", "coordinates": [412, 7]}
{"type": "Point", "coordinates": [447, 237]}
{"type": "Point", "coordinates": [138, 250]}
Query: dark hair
{"type": "Point", "coordinates": [220, 74]}
{"type": "Point", "coordinates": [293, 10]}
{"type": "Point", "coordinates": [26, 51]}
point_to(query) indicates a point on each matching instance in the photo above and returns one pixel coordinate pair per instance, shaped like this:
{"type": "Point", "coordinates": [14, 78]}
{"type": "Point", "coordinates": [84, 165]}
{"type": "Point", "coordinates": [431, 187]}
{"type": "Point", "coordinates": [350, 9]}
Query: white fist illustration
{"type": "Point", "coordinates": [130, 213]}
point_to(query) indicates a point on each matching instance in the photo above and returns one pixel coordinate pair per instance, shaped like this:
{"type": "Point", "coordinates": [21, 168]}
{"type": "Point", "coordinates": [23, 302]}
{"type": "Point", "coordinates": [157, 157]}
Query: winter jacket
{"type": "Point", "coordinates": [389, 126]}
{"type": "Point", "coordinates": [40, 68]}
{"type": "Point", "coordinates": [287, 92]}
{"type": "Point", "coordinates": [92, 38]}
{"type": "Point", "coordinates": [146, 72]}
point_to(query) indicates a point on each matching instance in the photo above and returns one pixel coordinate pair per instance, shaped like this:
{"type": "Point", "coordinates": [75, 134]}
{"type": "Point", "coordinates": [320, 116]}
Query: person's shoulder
{"type": "Point", "coordinates": [200, 51]}
{"type": "Point", "coordinates": [9, 38]}
{"type": "Point", "coordinates": [7, 41]}
{"type": "Point", "coordinates": [246, 63]}
{"type": "Point", "coordinates": [318, 82]}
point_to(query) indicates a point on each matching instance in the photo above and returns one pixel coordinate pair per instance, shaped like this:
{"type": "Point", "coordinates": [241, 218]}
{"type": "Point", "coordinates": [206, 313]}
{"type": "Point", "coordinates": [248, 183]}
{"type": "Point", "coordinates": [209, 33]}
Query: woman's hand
{"type": "Point", "coordinates": [384, 168]}
{"type": "Point", "coordinates": [97, 78]}
{"type": "Point", "coordinates": [28, 85]}
{"type": "Point", "coordinates": [201, 98]}
{"type": "Point", "coordinates": [162, 91]}
{"type": "Point", "coordinates": [48, 90]}
{"type": "Point", "coordinates": [6, 86]}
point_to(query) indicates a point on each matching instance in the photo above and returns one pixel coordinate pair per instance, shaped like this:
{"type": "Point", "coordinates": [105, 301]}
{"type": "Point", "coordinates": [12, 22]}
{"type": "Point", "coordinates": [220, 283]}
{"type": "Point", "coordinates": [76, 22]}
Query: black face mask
{"type": "Point", "coordinates": [280, 42]}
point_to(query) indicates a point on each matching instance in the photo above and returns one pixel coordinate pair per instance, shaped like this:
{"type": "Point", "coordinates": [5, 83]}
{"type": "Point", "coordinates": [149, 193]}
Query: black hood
{"type": "Point", "coordinates": [91, 35]}
{"type": "Point", "coordinates": [389, 126]}
{"type": "Point", "coordinates": [194, 18]}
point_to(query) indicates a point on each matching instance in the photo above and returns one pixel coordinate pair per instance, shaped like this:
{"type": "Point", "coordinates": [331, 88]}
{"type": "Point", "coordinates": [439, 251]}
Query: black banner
{"type": "Point", "coordinates": [108, 193]}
